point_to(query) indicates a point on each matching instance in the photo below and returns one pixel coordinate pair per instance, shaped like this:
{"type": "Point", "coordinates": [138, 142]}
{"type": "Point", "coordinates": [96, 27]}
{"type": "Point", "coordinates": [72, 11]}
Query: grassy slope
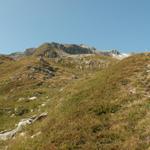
{"type": "Point", "coordinates": [101, 112]}
{"type": "Point", "coordinates": [15, 85]}
{"type": "Point", "coordinates": [108, 110]}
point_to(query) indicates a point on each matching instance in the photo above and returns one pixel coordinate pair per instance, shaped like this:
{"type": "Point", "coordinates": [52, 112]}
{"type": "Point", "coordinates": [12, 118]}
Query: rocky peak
{"type": "Point", "coordinates": [115, 52]}
{"type": "Point", "coordinates": [53, 50]}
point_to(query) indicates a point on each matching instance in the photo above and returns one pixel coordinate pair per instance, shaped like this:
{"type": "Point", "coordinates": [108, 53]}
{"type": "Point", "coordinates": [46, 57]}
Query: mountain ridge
{"type": "Point", "coordinates": [58, 50]}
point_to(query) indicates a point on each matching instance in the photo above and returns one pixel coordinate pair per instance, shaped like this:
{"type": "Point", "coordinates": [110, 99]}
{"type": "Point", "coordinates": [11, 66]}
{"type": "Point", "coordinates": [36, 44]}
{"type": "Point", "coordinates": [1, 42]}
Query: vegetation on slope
{"type": "Point", "coordinates": [107, 110]}
{"type": "Point", "coordinates": [44, 78]}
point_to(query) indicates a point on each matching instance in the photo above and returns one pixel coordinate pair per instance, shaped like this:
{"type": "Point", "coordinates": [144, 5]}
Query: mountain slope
{"type": "Point", "coordinates": [42, 78]}
{"type": "Point", "coordinates": [107, 110]}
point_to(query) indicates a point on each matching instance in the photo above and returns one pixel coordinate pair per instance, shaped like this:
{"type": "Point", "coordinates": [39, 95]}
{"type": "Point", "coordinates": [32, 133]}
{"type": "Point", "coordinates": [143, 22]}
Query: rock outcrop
{"type": "Point", "coordinates": [29, 51]}
{"type": "Point", "coordinates": [5, 135]}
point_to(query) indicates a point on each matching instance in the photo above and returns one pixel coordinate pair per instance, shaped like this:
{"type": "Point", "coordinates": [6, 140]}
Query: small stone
{"type": "Point", "coordinates": [43, 105]}
{"type": "Point", "coordinates": [35, 135]}
{"type": "Point", "coordinates": [133, 91]}
{"type": "Point", "coordinates": [22, 134]}
{"type": "Point", "coordinates": [21, 99]}
{"type": "Point", "coordinates": [13, 115]}
{"type": "Point", "coordinates": [33, 98]}
{"type": "Point", "coordinates": [61, 89]}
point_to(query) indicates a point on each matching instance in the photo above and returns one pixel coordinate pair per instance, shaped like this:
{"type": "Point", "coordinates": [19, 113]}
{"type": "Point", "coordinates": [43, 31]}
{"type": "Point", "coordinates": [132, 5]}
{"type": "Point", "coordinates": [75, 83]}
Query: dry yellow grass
{"type": "Point", "coordinates": [101, 111]}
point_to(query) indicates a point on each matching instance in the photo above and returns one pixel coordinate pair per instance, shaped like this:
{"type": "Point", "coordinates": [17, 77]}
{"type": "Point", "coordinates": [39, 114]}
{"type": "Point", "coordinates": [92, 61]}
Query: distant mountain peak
{"type": "Point", "coordinates": [54, 49]}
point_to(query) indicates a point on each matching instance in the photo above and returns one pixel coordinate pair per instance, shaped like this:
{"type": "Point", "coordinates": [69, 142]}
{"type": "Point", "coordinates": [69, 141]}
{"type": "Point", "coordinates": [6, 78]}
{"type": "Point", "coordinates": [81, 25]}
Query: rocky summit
{"type": "Point", "coordinates": [53, 50]}
{"type": "Point", "coordinates": [74, 97]}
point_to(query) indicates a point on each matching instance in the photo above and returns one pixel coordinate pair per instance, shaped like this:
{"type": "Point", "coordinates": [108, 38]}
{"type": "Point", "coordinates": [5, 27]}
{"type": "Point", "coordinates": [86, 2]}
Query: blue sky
{"type": "Point", "coordinates": [105, 24]}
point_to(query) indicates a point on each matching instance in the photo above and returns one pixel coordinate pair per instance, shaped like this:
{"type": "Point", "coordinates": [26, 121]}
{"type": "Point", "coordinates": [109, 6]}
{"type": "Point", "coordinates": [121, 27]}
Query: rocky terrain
{"type": "Point", "coordinates": [67, 97]}
{"type": "Point", "coordinates": [53, 50]}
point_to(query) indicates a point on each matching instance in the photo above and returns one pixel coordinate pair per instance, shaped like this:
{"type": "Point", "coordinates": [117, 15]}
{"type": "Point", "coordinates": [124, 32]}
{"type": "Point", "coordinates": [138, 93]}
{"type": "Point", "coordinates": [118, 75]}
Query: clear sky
{"type": "Point", "coordinates": [105, 24]}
